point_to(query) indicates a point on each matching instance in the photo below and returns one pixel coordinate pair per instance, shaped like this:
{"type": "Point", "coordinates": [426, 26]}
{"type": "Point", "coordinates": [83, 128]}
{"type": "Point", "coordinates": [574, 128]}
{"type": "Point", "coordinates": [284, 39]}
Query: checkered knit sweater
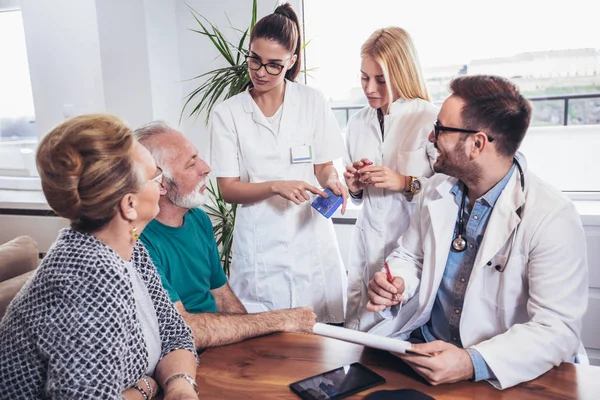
{"type": "Point", "coordinates": [72, 331]}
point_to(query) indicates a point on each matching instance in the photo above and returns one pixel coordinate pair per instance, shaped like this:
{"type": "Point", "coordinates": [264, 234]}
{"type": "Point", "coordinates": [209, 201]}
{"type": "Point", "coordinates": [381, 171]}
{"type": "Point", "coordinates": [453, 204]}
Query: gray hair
{"type": "Point", "coordinates": [146, 132]}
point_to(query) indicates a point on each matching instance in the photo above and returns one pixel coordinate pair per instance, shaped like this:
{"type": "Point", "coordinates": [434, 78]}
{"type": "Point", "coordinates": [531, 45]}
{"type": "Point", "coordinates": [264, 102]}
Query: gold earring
{"type": "Point", "coordinates": [136, 236]}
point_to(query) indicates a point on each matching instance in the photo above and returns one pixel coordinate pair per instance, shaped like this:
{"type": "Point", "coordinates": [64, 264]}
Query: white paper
{"type": "Point", "coordinates": [358, 337]}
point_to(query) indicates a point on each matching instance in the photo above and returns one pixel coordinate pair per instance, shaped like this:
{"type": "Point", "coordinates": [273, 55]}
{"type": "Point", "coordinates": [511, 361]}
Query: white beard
{"type": "Point", "coordinates": [191, 200]}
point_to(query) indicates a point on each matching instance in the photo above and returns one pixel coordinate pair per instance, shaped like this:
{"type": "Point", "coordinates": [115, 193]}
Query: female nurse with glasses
{"type": "Point", "coordinates": [272, 147]}
{"type": "Point", "coordinates": [387, 161]}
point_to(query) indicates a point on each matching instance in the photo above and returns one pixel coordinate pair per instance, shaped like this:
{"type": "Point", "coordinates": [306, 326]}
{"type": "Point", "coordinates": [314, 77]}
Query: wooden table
{"type": "Point", "coordinates": [263, 368]}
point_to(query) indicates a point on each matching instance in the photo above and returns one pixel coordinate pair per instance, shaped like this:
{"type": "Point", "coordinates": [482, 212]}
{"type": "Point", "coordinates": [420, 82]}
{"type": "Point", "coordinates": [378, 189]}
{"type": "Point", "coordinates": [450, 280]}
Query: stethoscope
{"type": "Point", "coordinates": [459, 244]}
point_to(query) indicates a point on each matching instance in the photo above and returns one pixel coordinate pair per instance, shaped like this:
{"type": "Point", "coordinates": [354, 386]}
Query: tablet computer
{"type": "Point", "coordinates": [337, 383]}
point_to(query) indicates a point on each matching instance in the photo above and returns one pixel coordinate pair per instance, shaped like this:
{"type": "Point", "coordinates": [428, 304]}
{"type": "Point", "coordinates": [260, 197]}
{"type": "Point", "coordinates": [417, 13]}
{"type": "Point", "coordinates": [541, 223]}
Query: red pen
{"type": "Point", "coordinates": [390, 278]}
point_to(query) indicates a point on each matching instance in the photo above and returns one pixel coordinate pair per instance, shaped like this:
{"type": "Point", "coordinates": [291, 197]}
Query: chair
{"type": "Point", "coordinates": [18, 261]}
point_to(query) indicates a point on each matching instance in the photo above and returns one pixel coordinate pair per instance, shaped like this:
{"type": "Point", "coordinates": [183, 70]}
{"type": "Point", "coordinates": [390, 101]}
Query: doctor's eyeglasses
{"type": "Point", "coordinates": [272, 68]}
{"type": "Point", "coordinates": [438, 128]}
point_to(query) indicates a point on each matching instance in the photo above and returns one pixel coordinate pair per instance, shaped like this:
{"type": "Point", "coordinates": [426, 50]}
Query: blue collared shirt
{"type": "Point", "coordinates": [444, 323]}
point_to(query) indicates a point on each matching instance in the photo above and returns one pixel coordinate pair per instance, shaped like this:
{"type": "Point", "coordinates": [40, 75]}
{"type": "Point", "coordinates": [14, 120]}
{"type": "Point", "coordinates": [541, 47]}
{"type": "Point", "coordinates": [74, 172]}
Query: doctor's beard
{"type": "Point", "coordinates": [188, 201]}
{"type": "Point", "coordinates": [454, 163]}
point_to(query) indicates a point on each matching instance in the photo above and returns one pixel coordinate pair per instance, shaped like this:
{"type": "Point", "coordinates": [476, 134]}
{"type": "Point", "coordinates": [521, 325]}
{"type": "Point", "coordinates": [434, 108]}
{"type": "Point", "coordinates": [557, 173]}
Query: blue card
{"type": "Point", "coordinates": [327, 205]}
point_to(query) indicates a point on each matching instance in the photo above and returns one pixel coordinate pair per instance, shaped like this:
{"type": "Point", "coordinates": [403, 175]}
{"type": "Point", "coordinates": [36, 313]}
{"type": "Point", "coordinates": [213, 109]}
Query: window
{"type": "Point", "coordinates": [551, 50]}
{"type": "Point", "coordinates": [18, 137]}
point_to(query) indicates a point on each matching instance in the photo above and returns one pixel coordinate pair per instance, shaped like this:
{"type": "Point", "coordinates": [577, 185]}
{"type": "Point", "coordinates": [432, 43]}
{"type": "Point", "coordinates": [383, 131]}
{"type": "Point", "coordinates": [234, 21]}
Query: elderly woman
{"type": "Point", "coordinates": [94, 321]}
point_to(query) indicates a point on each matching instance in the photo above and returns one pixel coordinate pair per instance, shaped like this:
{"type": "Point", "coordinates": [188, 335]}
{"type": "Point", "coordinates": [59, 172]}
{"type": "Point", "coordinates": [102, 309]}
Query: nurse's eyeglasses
{"type": "Point", "coordinates": [438, 128]}
{"type": "Point", "coordinates": [272, 68]}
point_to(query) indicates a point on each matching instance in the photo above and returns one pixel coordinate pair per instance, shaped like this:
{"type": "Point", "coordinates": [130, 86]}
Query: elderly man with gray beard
{"type": "Point", "coordinates": [181, 244]}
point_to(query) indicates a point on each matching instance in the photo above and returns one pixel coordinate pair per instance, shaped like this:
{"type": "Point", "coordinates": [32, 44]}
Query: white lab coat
{"type": "Point", "coordinates": [284, 255]}
{"type": "Point", "coordinates": [523, 321]}
{"type": "Point", "coordinates": [385, 215]}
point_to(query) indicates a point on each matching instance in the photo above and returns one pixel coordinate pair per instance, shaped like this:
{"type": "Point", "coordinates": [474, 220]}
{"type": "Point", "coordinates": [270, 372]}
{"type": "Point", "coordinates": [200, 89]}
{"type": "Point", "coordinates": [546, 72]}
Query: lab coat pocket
{"type": "Point", "coordinates": [413, 163]}
{"type": "Point", "coordinates": [505, 281]}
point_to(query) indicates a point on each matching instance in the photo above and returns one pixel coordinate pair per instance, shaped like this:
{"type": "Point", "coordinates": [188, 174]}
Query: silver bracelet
{"type": "Point", "coordinates": [188, 378]}
{"type": "Point", "coordinates": [147, 382]}
{"type": "Point", "coordinates": [139, 389]}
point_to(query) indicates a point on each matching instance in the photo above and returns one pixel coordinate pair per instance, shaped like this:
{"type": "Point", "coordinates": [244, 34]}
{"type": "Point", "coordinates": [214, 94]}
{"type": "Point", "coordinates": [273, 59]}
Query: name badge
{"type": "Point", "coordinates": [301, 154]}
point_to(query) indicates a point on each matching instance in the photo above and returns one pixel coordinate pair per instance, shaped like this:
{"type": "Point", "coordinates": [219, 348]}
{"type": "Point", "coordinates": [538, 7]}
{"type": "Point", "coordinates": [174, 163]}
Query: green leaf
{"type": "Point", "coordinates": [214, 38]}
{"type": "Point", "coordinates": [254, 14]}
{"type": "Point", "coordinates": [223, 223]}
{"type": "Point", "coordinates": [240, 46]}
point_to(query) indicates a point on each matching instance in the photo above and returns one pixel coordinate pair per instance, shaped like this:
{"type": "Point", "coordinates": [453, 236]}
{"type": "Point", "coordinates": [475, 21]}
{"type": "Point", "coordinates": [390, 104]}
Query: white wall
{"type": "Point", "coordinates": [124, 59]}
{"type": "Point", "coordinates": [63, 49]}
{"type": "Point", "coordinates": [6, 5]}
{"type": "Point", "coordinates": [556, 154]}
{"type": "Point", "coordinates": [164, 59]}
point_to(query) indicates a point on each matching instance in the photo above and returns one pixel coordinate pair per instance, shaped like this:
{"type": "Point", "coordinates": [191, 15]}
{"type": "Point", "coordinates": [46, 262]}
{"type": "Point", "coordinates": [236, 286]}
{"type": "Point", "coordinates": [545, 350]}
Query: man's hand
{"type": "Point", "coordinates": [383, 294]}
{"type": "Point", "coordinates": [298, 320]}
{"type": "Point", "coordinates": [382, 177]}
{"type": "Point", "coordinates": [447, 364]}
{"type": "Point", "coordinates": [352, 176]}
{"type": "Point", "coordinates": [295, 191]}
{"type": "Point", "coordinates": [337, 188]}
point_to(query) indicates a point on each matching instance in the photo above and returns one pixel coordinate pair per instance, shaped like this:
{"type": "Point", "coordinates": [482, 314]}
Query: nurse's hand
{"type": "Point", "coordinates": [336, 187]}
{"type": "Point", "coordinates": [295, 191]}
{"type": "Point", "coordinates": [299, 320]}
{"type": "Point", "coordinates": [383, 294]}
{"type": "Point", "coordinates": [352, 176]}
{"type": "Point", "coordinates": [382, 177]}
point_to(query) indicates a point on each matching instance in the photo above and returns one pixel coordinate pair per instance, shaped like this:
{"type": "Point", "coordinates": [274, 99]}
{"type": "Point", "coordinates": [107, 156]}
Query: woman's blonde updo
{"type": "Point", "coordinates": [86, 166]}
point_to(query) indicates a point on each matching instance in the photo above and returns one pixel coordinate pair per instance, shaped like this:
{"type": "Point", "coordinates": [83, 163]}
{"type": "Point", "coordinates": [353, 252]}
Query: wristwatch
{"type": "Point", "coordinates": [188, 378]}
{"type": "Point", "coordinates": [413, 184]}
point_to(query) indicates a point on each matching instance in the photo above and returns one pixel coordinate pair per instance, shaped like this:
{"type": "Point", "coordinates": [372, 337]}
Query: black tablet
{"type": "Point", "coordinates": [337, 383]}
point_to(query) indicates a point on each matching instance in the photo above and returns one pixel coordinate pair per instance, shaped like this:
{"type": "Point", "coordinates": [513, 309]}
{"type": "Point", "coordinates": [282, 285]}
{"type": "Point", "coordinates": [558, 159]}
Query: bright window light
{"type": "Point", "coordinates": [18, 137]}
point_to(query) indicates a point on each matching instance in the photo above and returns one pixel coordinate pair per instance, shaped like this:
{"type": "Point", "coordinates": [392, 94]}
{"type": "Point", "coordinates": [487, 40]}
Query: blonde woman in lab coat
{"type": "Point", "coordinates": [388, 159]}
{"type": "Point", "coordinates": [271, 147]}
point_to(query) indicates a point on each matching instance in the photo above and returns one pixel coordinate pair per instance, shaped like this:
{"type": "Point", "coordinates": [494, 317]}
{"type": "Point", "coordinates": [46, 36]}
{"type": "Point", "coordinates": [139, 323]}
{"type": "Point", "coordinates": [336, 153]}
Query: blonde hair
{"type": "Point", "coordinates": [86, 165]}
{"type": "Point", "coordinates": [393, 49]}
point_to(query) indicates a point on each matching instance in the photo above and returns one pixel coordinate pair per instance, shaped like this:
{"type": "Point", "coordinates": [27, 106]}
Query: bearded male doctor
{"type": "Point", "coordinates": [492, 273]}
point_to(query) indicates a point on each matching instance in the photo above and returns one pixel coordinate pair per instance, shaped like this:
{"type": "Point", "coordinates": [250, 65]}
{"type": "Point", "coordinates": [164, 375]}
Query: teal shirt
{"type": "Point", "coordinates": [187, 260]}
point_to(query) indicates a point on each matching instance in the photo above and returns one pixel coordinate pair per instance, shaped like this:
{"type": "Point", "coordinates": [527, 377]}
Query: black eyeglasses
{"type": "Point", "coordinates": [437, 128]}
{"type": "Point", "coordinates": [272, 68]}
